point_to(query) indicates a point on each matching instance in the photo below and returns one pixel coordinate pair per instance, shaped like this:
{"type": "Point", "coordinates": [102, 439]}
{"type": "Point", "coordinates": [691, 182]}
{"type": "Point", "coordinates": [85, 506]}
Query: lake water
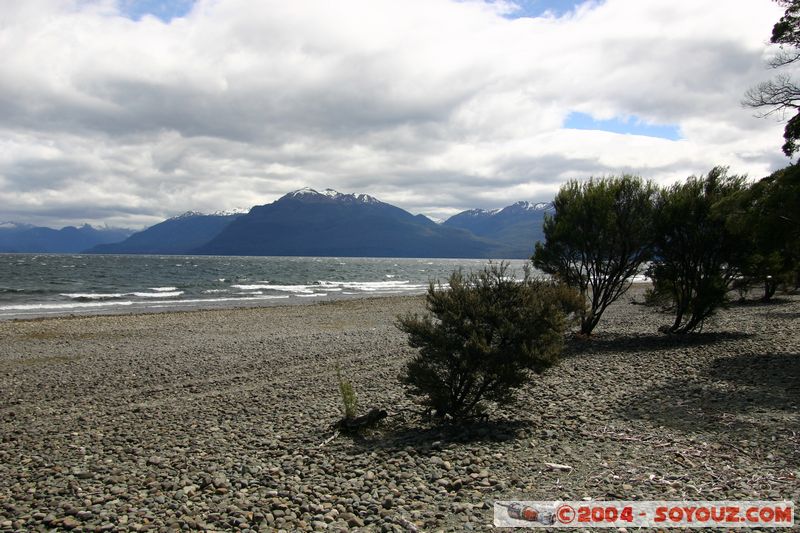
{"type": "Point", "coordinates": [46, 285]}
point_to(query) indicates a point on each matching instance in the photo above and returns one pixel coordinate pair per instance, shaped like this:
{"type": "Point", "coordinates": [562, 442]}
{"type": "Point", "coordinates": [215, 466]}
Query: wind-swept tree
{"type": "Point", "coordinates": [695, 255]}
{"type": "Point", "coordinates": [597, 239]}
{"type": "Point", "coordinates": [782, 94]}
{"type": "Point", "coordinates": [766, 218]}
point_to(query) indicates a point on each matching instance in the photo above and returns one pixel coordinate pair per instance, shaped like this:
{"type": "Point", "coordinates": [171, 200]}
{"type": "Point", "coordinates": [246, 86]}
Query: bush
{"type": "Point", "coordinates": [696, 257]}
{"type": "Point", "coordinates": [598, 239]}
{"type": "Point", "coordinates": [482, 338]}
{"type": "Point", "coordinates": [764, 218]}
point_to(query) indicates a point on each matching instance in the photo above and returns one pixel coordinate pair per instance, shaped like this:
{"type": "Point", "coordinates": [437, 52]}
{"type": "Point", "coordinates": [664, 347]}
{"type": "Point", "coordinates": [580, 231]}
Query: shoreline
{"type": "Point", "coordinates": [141, 308]}
{"type": "Point", "coordinates": [222, 420]}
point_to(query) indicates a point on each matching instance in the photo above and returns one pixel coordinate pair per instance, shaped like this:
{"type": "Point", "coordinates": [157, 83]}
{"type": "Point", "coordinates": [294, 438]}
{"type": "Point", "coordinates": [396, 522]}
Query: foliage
{"type": "Point", "coordinates": [782, 94]}
{"type": "Point", "coordinates": [349, 399]}
{"type": "Point", "coordinates": [765, 219]}
{"type": "Point", "coordinates": [695, 257]}
{"type": "Point", "coordinates": [482, 338]}
{"type": "Point", "coordinates": [598, 239]}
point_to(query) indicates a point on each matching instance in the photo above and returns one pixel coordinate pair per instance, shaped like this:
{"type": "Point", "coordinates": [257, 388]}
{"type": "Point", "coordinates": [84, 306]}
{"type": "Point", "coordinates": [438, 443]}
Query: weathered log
{"type": "Point", "coordinates": [360, 422]}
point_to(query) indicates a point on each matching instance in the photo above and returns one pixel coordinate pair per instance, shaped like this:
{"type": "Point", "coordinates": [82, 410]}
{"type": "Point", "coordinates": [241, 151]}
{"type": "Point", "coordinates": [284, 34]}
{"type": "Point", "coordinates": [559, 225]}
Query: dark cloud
{"type": "Point", "coordinates": [108, 119]}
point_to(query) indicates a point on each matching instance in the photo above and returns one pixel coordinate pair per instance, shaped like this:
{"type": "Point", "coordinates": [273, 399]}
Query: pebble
{"type": "Point", "coordinates": [221, 420]}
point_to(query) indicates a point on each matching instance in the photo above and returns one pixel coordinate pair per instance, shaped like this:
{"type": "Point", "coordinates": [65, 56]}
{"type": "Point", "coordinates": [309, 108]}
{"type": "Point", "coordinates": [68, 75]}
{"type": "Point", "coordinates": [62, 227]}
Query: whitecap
{"type": "Point", "coordinates": [302, 289]}
{"type": "Point", "coordinates": [373, 286]}
{"type": "Point", "coordinates": [45, 306]}
{"type": "Point", "coordinates": [92, 296]}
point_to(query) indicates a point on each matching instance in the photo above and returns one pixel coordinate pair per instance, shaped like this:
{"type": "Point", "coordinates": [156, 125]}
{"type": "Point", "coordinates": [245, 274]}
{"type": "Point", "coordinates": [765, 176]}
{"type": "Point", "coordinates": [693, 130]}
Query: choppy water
{"type": "Point", "coordinates": [44, 285]}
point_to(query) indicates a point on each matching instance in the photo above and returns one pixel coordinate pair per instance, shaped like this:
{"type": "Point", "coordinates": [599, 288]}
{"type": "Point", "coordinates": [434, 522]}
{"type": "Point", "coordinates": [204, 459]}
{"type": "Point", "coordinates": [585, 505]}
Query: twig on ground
{"type": "Point", "coordinates": [326, 441]}
{"type": "Point", "coordinates": [556, 466]}
{"type": "Point", "coordinates": [406, 524]}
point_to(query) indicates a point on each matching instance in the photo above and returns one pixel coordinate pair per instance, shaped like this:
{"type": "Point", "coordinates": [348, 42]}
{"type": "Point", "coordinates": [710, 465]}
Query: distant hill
{"type": "Point", "coordinates": [177, 235]}
{"type": "Point", "coordinates": [516, 227]}
{"type": "Point", "coordinates": [329, 223]}
{"type": "Point", "coordinates": [24, 238]}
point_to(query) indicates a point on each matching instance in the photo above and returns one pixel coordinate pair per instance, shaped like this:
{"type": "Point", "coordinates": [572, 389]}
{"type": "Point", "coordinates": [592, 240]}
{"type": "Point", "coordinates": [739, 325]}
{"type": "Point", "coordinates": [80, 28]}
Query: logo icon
{"type": "Point", "coordinates": [518, 511]}
{"type": "Point", "coordinates": [565, 514]}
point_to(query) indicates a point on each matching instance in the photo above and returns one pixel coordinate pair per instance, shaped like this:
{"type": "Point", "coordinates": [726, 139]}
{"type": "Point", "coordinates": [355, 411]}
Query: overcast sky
{"type": "Point", "coordinates": [127, 112]}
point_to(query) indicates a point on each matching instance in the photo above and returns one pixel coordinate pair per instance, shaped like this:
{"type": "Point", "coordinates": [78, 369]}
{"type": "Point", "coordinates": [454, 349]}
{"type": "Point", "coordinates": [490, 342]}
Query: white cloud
{"type": "Point", "coordinates": [434, 105]}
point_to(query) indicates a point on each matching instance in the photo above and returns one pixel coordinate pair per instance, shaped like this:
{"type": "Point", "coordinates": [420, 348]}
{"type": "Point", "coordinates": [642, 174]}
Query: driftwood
{"type": "Point", "coordinates": [329, 439]}
{"type": "Point", "coordinates": [556, 466]}
{"type": "Point", "coordinates": [363, 421]}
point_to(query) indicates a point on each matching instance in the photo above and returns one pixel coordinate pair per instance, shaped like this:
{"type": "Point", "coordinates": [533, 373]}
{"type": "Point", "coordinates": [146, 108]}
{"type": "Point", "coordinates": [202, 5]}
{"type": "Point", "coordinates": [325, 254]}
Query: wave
{"type": "Point", "coordinates": [153, 303]}
{"type": "Point", "coordinates": [395, 286]}
{"type": "Point", "coordinates": [45, 306]}
{"type": "Point", "coordinates": [90, 296]}
{"type": "Point", "coordinates": [301, 289]}
{"type": "Point", "coordinates": [398, 286]}
{"type": "Point", "coordinates": [12, 290]}
{"type": "Point", "coordinates": [164, 289]}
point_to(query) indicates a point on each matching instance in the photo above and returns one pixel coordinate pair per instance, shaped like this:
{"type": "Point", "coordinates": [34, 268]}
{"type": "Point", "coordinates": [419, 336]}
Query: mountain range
{"type": "Point", "coordinates": [25, 238]}
{"type": "Point", "coordinates": [329, 223]}
{"type": "Point", "coordinates": [516, 227]}
{"type": "Point", "coordinates": [307, 222]}
{"type": "Point", "coordinates": [178, 235]}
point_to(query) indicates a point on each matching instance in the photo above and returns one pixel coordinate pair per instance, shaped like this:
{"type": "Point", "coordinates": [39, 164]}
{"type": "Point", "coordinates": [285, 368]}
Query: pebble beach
{"type": "Point", "coordinates": [222, 420]}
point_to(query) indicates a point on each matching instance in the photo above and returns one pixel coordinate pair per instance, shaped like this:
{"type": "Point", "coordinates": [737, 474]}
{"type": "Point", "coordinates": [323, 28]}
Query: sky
{"type": "Point", "coordinates": [126, 112]}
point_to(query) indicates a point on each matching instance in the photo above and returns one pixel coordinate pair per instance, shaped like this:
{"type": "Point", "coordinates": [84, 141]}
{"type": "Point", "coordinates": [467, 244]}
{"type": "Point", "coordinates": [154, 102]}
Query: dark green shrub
{"type": "Point", "coordinates": [765, 218]}
{"type": "Point", "coordinates": [483, 337]}
{"type": "Point", "coordinates": [695, 257]}
{"type": "Point", "coordinates": [598, 239]}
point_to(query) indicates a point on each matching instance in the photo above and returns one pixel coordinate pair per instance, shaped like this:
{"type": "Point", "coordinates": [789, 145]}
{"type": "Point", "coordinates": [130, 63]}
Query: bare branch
{"type": "Point", "coordinates": [784, 57]}
{"type": "Point", "coordinates": [780, 93]}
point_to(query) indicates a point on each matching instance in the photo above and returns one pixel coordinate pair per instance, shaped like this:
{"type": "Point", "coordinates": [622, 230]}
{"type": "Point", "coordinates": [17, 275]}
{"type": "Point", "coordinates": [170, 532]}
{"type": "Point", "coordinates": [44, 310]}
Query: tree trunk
{"type": "Point", "coordinates": [770, 286]}
{"type": "Point", "coordinates": [588, 322]}
{"type": "Point", "coordinates": [678, 318]}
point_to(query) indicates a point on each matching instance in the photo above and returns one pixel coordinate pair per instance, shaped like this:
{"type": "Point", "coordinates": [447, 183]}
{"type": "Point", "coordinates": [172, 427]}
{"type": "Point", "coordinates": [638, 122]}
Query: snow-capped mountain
{"type": "Point", "coordinates": [518, 225]}
{"type": "Point", "coordinates": [221, 213]}
{"type": "Point", "coordinates": [187, 214]}
{"type": "Point", "coordinates": [530, 206]}
{"type": "Point", "coordinates": [307, 193]}
{"type": "Point", "coordinates": [230, 212]}
{"type": "Point", "coordinates": [478, 213]}
{"type": "Point", "coordinates": [177, 235]}
{"type": "Point", "coordinates": [330, 223]}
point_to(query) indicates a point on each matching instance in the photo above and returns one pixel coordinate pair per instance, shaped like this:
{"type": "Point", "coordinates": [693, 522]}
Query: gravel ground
{"type": "Point", "coordinates": [221, 420]}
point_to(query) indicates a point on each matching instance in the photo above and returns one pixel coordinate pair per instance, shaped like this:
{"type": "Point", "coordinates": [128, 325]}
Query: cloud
{"type": "Point", "coordinates": [113, 117]}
